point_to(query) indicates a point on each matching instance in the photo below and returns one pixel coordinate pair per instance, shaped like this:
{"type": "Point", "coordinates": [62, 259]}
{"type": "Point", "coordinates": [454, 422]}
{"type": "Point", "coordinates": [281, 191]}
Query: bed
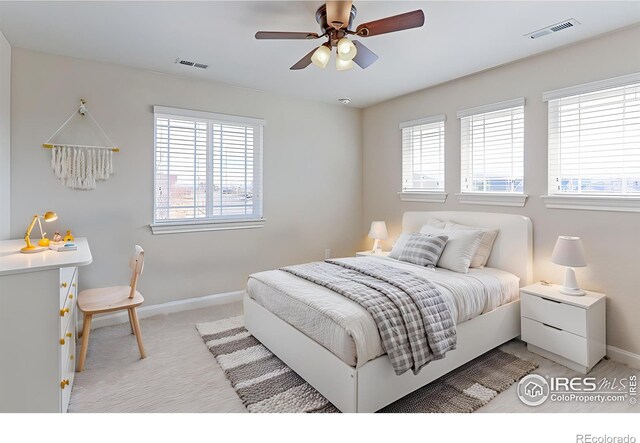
{"type": "Point", "coordinates": [334, 345]}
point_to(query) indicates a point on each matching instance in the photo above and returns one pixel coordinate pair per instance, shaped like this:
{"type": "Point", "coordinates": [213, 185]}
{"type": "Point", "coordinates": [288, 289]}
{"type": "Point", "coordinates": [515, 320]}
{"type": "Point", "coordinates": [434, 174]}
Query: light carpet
{"type": "Point", "coordinates": [266, 384]}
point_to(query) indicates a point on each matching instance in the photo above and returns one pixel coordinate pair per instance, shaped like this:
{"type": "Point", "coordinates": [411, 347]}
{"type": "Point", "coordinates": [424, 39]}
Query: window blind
{"type": "Point", "coordinates": [492, 150]}
{"type": "Point", "coordinates": [207, 170]}
{"type": "Point", "coordinates": [594, 142]}
{"type": "Point", "coordinates": [423, 155]}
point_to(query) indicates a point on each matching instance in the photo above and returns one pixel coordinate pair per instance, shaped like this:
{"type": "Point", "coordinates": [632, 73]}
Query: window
{"type": "Point", "coordinates": [492, 148]}
{"type": "Point", "coordinates": [594, 140]}
{"type": "Point", "coordinates": [423, 157]}
{"type": "Point", "coordinates": [208, 170]}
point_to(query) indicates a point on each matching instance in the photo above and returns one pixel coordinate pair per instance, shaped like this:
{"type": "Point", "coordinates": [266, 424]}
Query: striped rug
{"type": "Point", "coordinates": [266, 384]}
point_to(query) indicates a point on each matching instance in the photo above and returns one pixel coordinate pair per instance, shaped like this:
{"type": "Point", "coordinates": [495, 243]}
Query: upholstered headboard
{"type": "Point", "coordinates": [513, 248]}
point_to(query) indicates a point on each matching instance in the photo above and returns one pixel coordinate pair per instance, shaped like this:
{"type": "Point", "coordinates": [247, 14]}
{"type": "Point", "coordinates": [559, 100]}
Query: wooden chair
{"type": "Point", "coordinates": [114, 298]}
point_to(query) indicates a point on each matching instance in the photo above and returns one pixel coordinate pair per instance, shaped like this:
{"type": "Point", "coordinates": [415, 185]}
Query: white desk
{"type": "Point", "coordinates": [37, 324]}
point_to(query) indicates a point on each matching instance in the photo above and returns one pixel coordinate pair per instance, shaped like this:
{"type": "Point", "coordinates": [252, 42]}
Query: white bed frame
{"type": "Point", "coordinates": [375, 385]}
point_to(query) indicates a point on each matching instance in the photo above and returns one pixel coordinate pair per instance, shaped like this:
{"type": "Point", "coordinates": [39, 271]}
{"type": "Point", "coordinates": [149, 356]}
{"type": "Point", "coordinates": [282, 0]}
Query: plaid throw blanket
{"type": "Point", "coordinates": [413, 320]}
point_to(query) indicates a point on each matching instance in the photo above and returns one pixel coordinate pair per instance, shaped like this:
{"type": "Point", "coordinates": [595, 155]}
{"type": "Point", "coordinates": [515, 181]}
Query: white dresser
{"type": "Point", "coordinates": [567, 329]}
{"type": "Point", "coordinates": [37, 320]}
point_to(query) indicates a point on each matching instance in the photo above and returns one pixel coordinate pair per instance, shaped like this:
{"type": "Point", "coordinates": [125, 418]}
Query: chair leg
{"type": "Point", "coordinates": [136, 328]}
{"type": "Point", "coordinates": [86, 328]}
{"type": "Point", "coordinates": [131, 322]}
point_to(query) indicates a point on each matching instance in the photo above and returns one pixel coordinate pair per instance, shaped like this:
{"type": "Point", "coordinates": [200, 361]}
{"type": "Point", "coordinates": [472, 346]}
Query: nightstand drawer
{"type": "Point", "coordinates": [563, 343]}
{"type": "Point", "coordinates": [554, 313]}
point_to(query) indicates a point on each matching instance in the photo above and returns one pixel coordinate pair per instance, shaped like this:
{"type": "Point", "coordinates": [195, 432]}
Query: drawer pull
{"type": "Point", "coordinates": [71, 357]}
{"type": "Point", "coordinates": [63, 312]}
{"type": "Point", "coordinates": [552, 301]}
{"type": "Point", "coordinates": [70, 296]}
{"type": "Point", "coordinates": [552, 327]}
{"type": "Point", "coordinates": [64, 284]}
{"type": "Point", "coordinates": [69, 334]}
{"type": "Point", "coordinates": [64, 383]}
{"type": "Point", "coordinates": [74, 285]}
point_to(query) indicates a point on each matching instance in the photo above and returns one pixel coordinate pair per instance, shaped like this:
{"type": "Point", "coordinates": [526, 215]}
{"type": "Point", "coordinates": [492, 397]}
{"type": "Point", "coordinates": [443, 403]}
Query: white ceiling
{"type": "Point", "coordinates": [458, 38]}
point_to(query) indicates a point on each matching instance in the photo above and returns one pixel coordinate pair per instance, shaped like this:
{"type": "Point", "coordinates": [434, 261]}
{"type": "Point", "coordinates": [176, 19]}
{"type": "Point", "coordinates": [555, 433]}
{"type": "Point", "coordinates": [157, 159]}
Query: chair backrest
{"type": "Point", "coordinates": [137, 265]}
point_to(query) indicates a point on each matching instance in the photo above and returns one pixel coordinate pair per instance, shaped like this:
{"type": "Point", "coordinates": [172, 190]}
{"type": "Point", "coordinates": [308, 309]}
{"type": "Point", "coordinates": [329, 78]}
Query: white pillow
{"type": "Point", "coordinates": [440, 224]}
{"type": "Point", "coordinates": [484, 250]}
{"type": "Point", "coordinates": [460, 248]}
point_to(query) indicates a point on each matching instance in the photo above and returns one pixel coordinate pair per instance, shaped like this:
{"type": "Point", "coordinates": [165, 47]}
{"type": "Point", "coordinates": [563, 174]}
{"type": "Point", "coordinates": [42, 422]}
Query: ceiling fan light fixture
{"type": "Point", "coordinates": [343, 65]}
{"type": "Point", "coordinates": [346, 49]}
{"type": "Point", "coordinates": [320, 58]}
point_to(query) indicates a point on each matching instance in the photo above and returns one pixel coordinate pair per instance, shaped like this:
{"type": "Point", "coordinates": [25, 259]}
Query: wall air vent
{"type": "Point", "coordinates": [192, 64]}
{"type": "Point", "coordinates": [553, 28]}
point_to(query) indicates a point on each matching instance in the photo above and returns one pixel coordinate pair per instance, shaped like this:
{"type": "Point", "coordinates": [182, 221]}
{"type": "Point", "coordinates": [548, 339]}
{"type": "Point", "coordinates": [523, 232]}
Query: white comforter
{"type": "Point", "coordinates": [347, 329]}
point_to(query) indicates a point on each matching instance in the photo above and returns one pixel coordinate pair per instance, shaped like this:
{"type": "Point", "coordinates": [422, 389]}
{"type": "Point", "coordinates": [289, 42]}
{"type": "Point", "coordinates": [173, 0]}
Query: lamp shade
{"type": "Point", "coordinates": [343, 65]}
{"type": "Point", "coordinates": [321, 56]}
{"type": "Point", "coordinates": [378, 230]}
{"type": "Point", "coordinates": [346, 49]}
{"type": "Point", "coordinates": [569, 252]}
{"type": "Point", "coordinates": [50, 216]}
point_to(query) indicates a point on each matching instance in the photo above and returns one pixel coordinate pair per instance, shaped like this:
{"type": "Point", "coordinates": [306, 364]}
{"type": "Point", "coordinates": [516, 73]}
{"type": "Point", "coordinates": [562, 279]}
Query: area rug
{"type": "Point", "coordinates": [266, 384]}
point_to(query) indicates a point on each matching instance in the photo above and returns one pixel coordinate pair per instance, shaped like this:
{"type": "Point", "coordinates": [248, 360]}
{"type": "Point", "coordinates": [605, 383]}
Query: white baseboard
{"type": "Point", "coordinates": [116, 318]}
{"type": "Point", "coordinates": [622, 356]}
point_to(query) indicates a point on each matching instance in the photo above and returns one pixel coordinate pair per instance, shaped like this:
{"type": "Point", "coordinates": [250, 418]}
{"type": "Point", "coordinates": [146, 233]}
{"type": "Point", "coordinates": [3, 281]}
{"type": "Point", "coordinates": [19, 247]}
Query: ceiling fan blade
{"type": "Point", "coordinates": [408, 20]}
{"type": "Point", "coordinates": [276, 35]}
{"type": "Point", "coordinates": [365, 56]}
{"type": "Point", "coordinates": [304, 61]}
{"type": "Point", "coordinates": [338, 13]}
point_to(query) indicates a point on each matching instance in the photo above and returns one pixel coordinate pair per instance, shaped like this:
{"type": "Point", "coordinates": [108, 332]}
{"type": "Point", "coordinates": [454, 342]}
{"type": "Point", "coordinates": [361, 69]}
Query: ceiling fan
{"type": "Point", "coordinates": [336, 20]}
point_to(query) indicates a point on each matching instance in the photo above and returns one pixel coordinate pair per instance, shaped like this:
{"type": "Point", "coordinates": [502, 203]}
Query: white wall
{"type": "Point", "coordinates": [312, 180]}
{"type": "Point", "coordinates": [5, 136]}
{"type": "Point", "coordinates": [611, 239]}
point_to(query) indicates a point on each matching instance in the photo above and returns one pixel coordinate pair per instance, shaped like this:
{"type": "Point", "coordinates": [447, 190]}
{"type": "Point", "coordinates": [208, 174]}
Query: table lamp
{"type": "Point", "coordinates": [48, 217]}
{"type": "Point", "coordinates": [568, 252]}
{"type": "Point", "coordinates": [378, 232]}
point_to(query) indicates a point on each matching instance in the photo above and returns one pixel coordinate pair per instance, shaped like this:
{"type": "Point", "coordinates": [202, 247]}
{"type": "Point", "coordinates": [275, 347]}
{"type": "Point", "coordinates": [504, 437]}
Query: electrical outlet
{"type": "Point", "coordinates": [327, 254]}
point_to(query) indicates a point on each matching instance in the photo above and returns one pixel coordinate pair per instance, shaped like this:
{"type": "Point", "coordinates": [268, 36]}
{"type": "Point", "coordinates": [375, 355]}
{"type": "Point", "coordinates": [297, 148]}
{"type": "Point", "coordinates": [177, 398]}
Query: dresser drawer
{"type": "Point", "coordinates": [67, 315]}
{"type": "Point", "coordinates": [561, 315]}
{"type": "Point", "coordinates": [68, 283]}
{"type": "Point", "coordinates": [563, 343]}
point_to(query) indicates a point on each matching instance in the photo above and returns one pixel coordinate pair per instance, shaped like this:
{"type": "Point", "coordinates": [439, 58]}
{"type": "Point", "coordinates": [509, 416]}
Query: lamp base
{"type": "Point", "coordinates": [572, 291]}
{"type": "Point", "coordinates": [570, 286]}
{"type": "Point", "coordinates": [32, 249]}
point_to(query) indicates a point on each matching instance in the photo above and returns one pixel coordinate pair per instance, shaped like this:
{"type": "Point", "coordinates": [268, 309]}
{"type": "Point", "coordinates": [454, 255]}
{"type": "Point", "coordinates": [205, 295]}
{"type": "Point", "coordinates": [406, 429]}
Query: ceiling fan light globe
{"type": "Point", "coordinates": [343, 65]}
{"type": "Point", "coordinates": [346, 49]}
{"type": "Point", "coordinates": [320, 58]}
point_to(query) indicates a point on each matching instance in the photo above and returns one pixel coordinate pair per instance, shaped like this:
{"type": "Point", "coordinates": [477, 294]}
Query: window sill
{"type": "Point", "coordinates": [426, 196]}
{"type": "Point", "coordinates": [179, 227]}
{"type": "Point", "coordinates": [592, 202]}
{"type": "Point", "coordinates": [497, 199]}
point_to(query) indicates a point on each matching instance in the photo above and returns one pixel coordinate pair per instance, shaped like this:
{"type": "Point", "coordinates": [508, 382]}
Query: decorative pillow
{"type": "Point", "coordinates": [459, 250]}
{"type": "Point", "coordinates": [484, 250]}
{"type": "Point", "coordinates": [398, 246]}
{"type": "Point", "coordinates": [423, 250]}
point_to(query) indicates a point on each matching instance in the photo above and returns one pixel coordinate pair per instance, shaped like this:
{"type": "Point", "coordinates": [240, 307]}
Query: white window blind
{"type": "Point", "coordinates": [207, 169]}
{"type": "Point", "coordinates": [492, 145]}
{"type": "Point", "coordinates": [423, 155]}
{"type": "Point", "coordinates": [594, 142]}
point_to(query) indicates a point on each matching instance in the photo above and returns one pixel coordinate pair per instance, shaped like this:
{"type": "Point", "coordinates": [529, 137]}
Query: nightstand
{"type": "Point", "coordinates": [372, 254]}
{"type": "Point", "coordinates": [567, 329]}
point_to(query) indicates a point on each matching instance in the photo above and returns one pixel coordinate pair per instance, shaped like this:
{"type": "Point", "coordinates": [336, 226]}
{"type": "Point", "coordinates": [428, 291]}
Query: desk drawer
{"type": "Point", "coordinates": [563, 343]}
{"type": "Point", "coordinates": [563, 316]}
{"type": "Point", "coordinates": [68, 283]}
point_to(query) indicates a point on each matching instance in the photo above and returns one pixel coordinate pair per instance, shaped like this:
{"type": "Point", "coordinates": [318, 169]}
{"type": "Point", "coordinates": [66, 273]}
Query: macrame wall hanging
{"type": "Point", "coordinates": [80, 165]}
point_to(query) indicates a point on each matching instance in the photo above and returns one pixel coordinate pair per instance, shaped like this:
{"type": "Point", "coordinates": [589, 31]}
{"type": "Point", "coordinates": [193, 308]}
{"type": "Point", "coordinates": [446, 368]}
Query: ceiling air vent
{"type": "Point", "coordinates": [192, 64]}
{"type": "Point", "coordinates": [553, 28]}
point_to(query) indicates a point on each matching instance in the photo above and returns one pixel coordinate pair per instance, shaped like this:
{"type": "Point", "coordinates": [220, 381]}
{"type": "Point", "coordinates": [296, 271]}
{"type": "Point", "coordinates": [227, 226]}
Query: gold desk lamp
{"type": "Point", "coordinates": [44, 242]}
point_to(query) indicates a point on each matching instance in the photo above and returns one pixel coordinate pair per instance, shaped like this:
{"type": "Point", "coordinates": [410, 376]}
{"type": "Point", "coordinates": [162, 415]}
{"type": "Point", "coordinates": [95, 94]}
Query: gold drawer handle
{"type": "Point", "coordinates": [64, 383]}
{"type": "Point", "coordinates": [64, 285]}
{"type": "Point", "coordinates": [71, 357]}
{"type": "Point", "coordinates": [70, 296]}
{"type": "Point", "coordinates": [63, 312]}
{"type": "Point", "coordinates": [68, 334]}
{"type": "Point", "coordinates": [74, 285]}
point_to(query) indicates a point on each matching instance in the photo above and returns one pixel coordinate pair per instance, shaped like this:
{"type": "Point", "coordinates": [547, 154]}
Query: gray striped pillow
{"type": "Point", "coordinates": [423, 250]}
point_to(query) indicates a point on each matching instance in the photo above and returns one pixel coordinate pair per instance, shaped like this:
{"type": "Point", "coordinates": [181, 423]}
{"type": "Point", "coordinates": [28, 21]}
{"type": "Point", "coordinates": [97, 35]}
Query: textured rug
{"type": "Point", "coordinates": [266, 384]}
